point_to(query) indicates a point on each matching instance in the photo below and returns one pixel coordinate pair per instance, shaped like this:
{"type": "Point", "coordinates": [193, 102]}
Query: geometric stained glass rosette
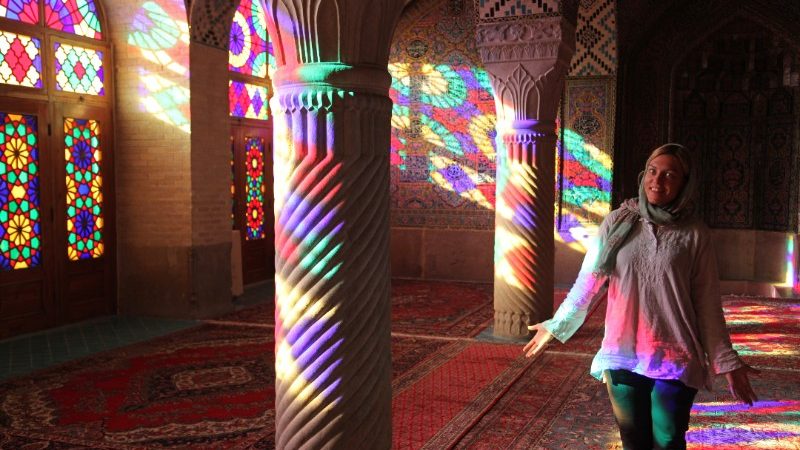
{"type": "Point", "coordinates": [73, 16]}
{"type": "Point", "coordinates": [26, 11]}
{"type": "Point", "coordinates": [79, 69]}
{"type": "Point", "coordinates": [248, 100]}
{"type": "Point", "coordinates": [20, 60]}
{"type": "Point", "coordinates": [248, 43]}
{"type": "Point", "coordinates": [20, 232]}
{"type": "Point", "coordinates": [84, 189]}
{"type": "Point", "coordinates": [255, 187]}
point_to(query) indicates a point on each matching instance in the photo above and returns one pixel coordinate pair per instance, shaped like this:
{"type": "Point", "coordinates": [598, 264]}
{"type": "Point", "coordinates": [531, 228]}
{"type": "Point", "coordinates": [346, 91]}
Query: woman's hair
{"type": "Point", "coordinates": [684, 203]}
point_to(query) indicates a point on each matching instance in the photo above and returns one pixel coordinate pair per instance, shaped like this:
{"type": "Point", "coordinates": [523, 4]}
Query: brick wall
{"type": "Point", "coordinates": [152, 163]}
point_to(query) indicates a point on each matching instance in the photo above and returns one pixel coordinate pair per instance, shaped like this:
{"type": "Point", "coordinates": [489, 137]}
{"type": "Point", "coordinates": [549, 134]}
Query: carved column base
{"type": "Point", "coordinates": [511, 324]}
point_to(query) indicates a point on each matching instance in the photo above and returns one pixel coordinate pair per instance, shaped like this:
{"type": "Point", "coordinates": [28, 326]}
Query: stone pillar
{"type": "Point", "coordinates": [527, 59]}
{"type": "Point", "coordinates": [332, 116]}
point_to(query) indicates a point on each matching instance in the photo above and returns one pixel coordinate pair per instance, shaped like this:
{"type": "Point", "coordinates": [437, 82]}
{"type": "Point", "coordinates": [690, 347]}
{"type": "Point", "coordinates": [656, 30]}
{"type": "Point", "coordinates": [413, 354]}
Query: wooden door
{"type": "Point", "coordinates": [27, 265]}
{"type": "Point", "coordinates": [253, 200]}
{"type": "Point", "coordinates": [84, 225]}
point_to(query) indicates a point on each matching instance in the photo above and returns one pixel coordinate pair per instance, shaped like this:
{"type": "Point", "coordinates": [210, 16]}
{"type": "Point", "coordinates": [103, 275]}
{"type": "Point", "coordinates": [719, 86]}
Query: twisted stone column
{"type": "Point", "coordinates": [332, 115]}
{"type": "Point", "coordinates": [527, 59]}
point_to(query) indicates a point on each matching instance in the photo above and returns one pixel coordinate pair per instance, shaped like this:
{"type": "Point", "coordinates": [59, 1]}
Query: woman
{"type": "Point", "coordinates": [664, 328]}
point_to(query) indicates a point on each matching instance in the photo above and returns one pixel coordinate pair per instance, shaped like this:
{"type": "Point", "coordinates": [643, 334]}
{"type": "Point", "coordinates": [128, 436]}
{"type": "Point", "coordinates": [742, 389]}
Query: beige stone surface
{"type": "Point", "coordinates": [406, 252]}
{"type": "Point", "coordinates": [463, 255]}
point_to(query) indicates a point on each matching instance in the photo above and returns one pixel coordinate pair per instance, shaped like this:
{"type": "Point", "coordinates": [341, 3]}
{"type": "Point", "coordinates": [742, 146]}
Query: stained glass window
{"type": "Point", "coordinates": [79, 69]}
{"type": "Point", "coordinates": [254, 188]}
{"type": "Point", "coordinates": [21, 63]}
{"type": "Point", "coordinates": [23, 10]}
{"type": "Point", "coordinates": [248, 100]}
{"type": "Point", "coordinates": [247, 51]}
{"type": "Point", "coordinates": [73, 16]}
{"type": "Point", "coordinates": [82, 154]}
{"type": "Point", "coordinates": [20, 232]}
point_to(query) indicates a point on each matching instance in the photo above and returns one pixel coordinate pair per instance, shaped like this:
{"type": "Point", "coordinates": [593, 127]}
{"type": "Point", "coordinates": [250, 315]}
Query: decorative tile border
{"type": "Point", "coordinates": [499, 9]}
{"type": "Point", "coordinates": [596, 39]}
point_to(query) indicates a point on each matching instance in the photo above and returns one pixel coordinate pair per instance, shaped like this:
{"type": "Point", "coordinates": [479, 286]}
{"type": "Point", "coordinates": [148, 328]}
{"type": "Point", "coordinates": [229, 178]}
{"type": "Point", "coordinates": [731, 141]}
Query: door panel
{"type": "Point", "coordinates": [253, 199]}
{"type": "Point", "coordinates": [26, 262]}
{"type": "Point", "coordinates": [84, 212]}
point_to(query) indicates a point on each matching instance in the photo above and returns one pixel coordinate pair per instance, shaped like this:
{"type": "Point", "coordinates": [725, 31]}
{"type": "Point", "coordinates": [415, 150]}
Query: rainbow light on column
{"type": "Point", "coordinates": [307, 245]}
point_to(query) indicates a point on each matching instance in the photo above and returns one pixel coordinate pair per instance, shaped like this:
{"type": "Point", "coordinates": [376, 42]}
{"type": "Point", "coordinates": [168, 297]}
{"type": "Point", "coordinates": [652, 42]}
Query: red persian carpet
{"type": "Point", "coordinates": [441, 308]}
{"type": "Point", "coordinates": [556, 404]}
{"type": "Point", "coordinates": [207, 387]}
{"type": "Point", "coordinates": [420, 308]}
{"type": "Point", "coordinates": [212, 386]}
{"type": "Point", "coordinates": [443, 396]}
{"type": "Point", "coordinates": [765, 331]}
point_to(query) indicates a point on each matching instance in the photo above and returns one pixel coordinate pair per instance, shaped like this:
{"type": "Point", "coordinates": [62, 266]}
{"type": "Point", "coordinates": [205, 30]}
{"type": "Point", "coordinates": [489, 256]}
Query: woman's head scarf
{"type": "Point", "coordinates": [677, 212]}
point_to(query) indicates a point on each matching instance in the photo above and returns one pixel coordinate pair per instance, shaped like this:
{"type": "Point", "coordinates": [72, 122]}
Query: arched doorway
{"type": "Point", "coordinates": [736, 105]}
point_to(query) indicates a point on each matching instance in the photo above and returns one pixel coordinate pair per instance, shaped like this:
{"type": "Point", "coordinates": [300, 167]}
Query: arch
{"type": "Point", "coordinates": [650, 52]}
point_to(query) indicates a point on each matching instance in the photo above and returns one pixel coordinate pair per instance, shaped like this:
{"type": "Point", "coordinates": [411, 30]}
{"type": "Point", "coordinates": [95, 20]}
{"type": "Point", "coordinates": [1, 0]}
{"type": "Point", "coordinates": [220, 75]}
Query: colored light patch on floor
{"type": "Point", "coordinates": [741, 312]}
{"type": "Point", "coordinates": [772, 422]}
{"type": "Point", "coordinates": [773, 344]}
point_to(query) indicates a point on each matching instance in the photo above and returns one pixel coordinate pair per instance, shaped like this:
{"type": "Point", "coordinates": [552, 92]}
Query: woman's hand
{"type": "Point", "coordinates": [739, 384]}
{"type": "Point", "coordinates": [538, 341]}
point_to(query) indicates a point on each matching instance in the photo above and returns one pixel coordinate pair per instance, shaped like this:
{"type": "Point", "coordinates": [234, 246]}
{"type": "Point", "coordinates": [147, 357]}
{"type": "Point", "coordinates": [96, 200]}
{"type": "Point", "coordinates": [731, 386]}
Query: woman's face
{"type": "Point", "coordinates": [663, 180]}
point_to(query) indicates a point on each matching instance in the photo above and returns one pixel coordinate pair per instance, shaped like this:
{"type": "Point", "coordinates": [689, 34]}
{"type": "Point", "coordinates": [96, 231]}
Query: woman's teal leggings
{"type": "Point", "coordinates": [650, 413]}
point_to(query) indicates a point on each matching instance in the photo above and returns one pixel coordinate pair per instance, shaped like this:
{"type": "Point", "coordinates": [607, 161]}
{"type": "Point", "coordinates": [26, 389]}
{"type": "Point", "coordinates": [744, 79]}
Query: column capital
{"type": "Point", "coordinates": [333, 76]}
{"type": "Point", "coordinates": [347, 31]}
{"type": "Point", "coordinates": [525, 39]}
{"type": "Point", "coordinates": [527, 59]}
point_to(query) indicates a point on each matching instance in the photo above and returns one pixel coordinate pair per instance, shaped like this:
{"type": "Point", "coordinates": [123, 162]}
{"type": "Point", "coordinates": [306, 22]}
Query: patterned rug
{"type": "Point", "coordinates": [212, 386]}
{"type": "Point", "coordinates": [432, 308]}
{"type": "Point", "coordinates": [262, 314]}
{"type": "Point", "coordinates": [207, 387]}
{"type": "Point", "coordinates": [557, 405]}
{"type": "Point", "coordinates": [443, 396]}
{"type": "Point", "coordinates": [441, 308]}
{"type": "Point", "coordinates": [765, 331]}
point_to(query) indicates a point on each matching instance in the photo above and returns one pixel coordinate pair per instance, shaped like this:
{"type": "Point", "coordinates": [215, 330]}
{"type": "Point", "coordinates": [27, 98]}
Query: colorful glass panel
{"type": "Point", "coordinates": [26, 11]}
{"type": "Point", "coordinates": [248, 44]}
{"type": "Point", "coordinates": [73, 16]}
{"type": "Point", "coordinates": [21, 63]}
{"type": "Point", "coordinates": [83, 157]}
{"type": "Point", "coordinates": [255, 189]}
{"type": "Point", "coordinates": [248, 100]}
{"type": "Point", "coordinates": [20, 228]}
{"type": "Point", "coordinates": [79, 69]}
